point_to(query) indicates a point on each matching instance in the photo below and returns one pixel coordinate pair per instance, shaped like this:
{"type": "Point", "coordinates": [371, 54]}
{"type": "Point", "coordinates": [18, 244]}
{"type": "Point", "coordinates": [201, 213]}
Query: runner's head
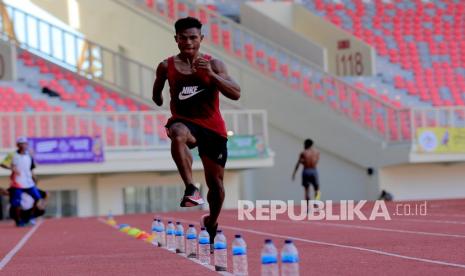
{"type": "Point", "coordinates": [188, 35]}
{"type": "Point", "coordinates": [308, 143]}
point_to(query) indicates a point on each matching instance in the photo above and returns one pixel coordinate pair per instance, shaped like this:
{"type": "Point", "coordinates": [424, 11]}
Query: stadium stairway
{"type": "Point", "coordinates": [332, 111]}
{"type": "Point", "coordinates": [423, 38]}
{"type": "Point", "coordinates": [66, 91]}
{"type": "Point", "coordinates": [419, 45]}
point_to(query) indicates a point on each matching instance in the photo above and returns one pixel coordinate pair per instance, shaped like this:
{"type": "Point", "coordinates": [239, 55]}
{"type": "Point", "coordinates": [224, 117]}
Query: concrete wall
{"type": "Point", "coordinates": [7, 61]}
{"type": "Point", "coordinates": [296, 28]}
{"type": "Point", "coordinates": [154, 40]}
{"type": "Point", "coordinates": [106, 22]}
{"type": "Point", "coordinates": [110, 187]}
{"type": "Point", "coordinates": [339, 178]}
{"type": "Point", "coordinates": [55, 7]}
{"type": "Point", "coordinates": [79, 183]}
{"type": "Point", "coordinates": [347, 148]}
{"type": "Point", "coordinates": [424, 181]}
{"type": "Point", "coordinates": [329, 36]}
{"type": "Point", "coordinates": [274, 21]}
{"type": "Point", "coordinates": [97, 194]}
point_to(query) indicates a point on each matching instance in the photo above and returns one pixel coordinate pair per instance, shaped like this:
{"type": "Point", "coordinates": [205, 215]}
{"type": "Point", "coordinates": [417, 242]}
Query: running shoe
{"type": "Point", "coordinates": [191, 197]}
{"type": "Point", "coordinates": [211, 231]}
{"type": "Point", "coordinates": [318, 195]}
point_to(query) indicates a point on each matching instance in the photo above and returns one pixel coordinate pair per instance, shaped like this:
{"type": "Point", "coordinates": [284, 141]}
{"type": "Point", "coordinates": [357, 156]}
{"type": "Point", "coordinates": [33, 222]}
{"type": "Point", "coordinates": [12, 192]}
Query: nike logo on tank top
{"type": "Point", "coordinates": [194, 99]}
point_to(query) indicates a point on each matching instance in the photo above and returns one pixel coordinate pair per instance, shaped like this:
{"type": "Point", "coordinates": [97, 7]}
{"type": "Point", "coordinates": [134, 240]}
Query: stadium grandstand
{"type": "Point", "coordinates": [367, 95]}
{"type": "Point", "coordinates": [378, 85]}
{"type": "Point", "coordinates": [59, 85]}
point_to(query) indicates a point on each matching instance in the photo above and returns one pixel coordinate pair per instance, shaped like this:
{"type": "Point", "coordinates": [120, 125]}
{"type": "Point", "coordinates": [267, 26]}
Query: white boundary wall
{"type": "Point", "coordinates": [424, 181]}
{"type": "Point", "coordinates": [97, 194]}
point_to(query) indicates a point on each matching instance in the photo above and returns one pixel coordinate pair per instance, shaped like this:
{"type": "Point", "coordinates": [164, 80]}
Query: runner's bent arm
{"type": "Point", "coordinates": [159, 83]}
{"type": "Point", "coordinates": [297, 166]}
{"type": "Point", "coordinates": [218, 74]}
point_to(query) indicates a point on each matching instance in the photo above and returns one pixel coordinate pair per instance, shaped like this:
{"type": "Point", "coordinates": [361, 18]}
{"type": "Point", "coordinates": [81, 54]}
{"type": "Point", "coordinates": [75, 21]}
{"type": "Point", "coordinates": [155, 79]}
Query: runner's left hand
{"type": "Point", "coordinates": [203, 66]}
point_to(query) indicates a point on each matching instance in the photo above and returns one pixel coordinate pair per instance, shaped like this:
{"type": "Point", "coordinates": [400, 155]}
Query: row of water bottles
{"type": "Point", "coordinates": [174, 239]}
{"type": "Point", "coordinates": [289, 259]}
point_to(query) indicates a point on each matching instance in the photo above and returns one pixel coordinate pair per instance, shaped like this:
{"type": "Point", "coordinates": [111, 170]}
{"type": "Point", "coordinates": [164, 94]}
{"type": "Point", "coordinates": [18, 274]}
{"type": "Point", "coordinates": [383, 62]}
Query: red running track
{"type": "Point", "coordinates": [423, 245]}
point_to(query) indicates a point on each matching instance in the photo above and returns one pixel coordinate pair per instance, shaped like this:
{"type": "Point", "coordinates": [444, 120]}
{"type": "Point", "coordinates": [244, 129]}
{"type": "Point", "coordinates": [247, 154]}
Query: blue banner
{"type": "Point", "coordinates": [62, 150]}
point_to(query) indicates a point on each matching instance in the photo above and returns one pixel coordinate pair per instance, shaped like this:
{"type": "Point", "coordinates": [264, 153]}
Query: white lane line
{"type": "Point", "coordinates": [210, 267]}
{"type": "Point", "coordinates": [435, 221]}
{"type": "Point", "coordinates": [383, 229]}
{"type": "Point", "coordinates": [374, 251]}
{"type": "Point", "coordinates": [447, 215]}
{"type": "Point", "coordinates": [367, 228]}
{"type": "Point", "coordinates": [19, 245]}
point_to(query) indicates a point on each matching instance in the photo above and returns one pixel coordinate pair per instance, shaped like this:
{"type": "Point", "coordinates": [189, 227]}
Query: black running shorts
{"type": "Point", "coordinates": [209, 143]}
{"type": "Point", "coordinates": [310, 176]}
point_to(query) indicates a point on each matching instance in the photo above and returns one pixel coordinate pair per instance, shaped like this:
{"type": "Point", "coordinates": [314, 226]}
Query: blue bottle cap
{"type": "Point", "coordinates": [237, 236]}
{"type": "Point", "coordinates": [288, 241]}
{"type": "Point", "coordinates": [268, 241]}
{"type": "Point", "coordinates": [191, 225]}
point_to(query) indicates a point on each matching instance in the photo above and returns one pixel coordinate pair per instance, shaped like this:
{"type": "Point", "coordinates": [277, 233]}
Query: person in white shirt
{"type": "Point", "coordinates": [22, 178]}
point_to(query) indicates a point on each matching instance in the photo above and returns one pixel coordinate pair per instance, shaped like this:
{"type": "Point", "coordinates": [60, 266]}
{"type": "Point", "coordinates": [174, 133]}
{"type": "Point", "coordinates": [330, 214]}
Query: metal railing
{"type": "Point", "coordinates": [118, 130]}
{"type": "Point", "coordinates": [371, 112]}
{"type": "Point", "coordinates": [77, 53]}
{"type": "Point", "coordinates": [99, 63]}
{"type": "Point", "coordinates": [439, 117]}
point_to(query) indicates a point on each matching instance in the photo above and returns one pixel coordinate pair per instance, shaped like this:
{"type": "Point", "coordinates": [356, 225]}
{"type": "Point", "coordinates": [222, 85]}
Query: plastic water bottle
{"type": "Point", "coordinates": [155, 229]}
{"type": "Point", "coordinates": [204, 246]}
{"type": "Point", "coordinates": [191, 242]}
{"type": "Point", "coordinates": [239, 251]}
{"type": "Point", "coordinates": [170, 236]}
{"type": "Point", "coordinates": [269, 259]}
{"type": "Point", "coordinates": [180, 245]}
{"type": "Point", "coordinates": [161, 234]}
{"type": "Point", "coordinates": [220, 250]}
{"type": "Point", "coordinates": [289, 259]}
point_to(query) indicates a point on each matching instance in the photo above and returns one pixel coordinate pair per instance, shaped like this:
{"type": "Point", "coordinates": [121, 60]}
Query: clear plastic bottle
{"type": "Point", "coordinates": [161, 234]}
{"type": "Point", "coordinates": [289, 259]}
{"type": "Point", "coordinates": [239, 251]}
{"type": "Point", "coordinates": [180, 245]}
{"type": "Point", "coordinates": [220, 251]}
{"type": "Point", "coordinates": [170, 236]}
{"type": "Point", "coordinates": [155, 230]}
{"type": "Point", "coordinates": [269, 258]}
{"type": "Point", "coordinates": [191, 242]}
{"type": "Point", "coordinates": [204, 246]}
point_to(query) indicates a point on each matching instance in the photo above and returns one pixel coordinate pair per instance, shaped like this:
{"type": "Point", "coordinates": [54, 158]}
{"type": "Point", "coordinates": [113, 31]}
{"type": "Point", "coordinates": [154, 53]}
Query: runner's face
{"type": "Point", "coordinates": [189, 41]}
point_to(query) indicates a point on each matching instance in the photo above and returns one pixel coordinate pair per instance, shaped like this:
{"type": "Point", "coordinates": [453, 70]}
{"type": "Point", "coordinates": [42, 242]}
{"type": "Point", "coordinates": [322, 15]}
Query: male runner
{"type": "Point", "coordinates": [195, 80]}
{"type": "Point", "coordinates": [309, 158]}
